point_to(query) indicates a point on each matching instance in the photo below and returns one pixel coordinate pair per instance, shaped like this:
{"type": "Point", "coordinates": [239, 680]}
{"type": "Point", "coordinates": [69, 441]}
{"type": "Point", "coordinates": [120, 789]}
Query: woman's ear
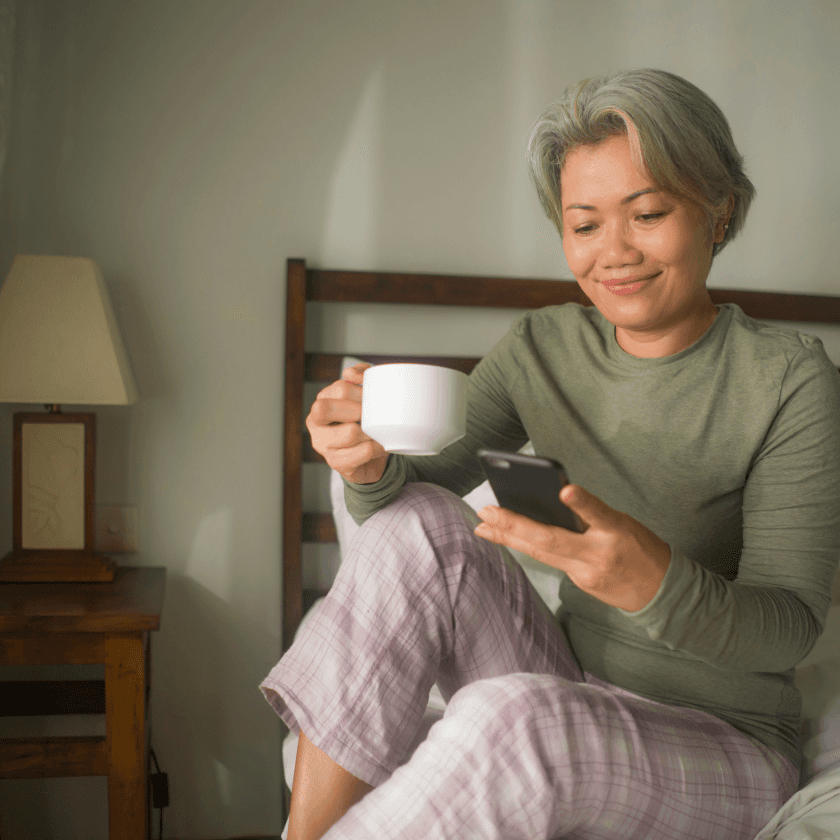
{"type": "Point", "coordinates": [722, 224]}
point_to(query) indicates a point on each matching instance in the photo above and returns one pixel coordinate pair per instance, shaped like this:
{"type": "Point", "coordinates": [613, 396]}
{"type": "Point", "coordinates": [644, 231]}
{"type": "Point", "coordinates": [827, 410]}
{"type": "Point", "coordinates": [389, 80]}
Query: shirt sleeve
{"type": "Point", "coordinates": [769, 617]}
{"type": "Point", "coordinates": [492, 423]}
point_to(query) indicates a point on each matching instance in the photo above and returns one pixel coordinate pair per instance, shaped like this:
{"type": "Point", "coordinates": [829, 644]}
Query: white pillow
{"type": "Point", "coordinates": [818, 679]}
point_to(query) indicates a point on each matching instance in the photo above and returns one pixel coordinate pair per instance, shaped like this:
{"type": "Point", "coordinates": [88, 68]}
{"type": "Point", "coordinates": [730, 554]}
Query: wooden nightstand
{"type": "Point", "coordinates": [81, 624]}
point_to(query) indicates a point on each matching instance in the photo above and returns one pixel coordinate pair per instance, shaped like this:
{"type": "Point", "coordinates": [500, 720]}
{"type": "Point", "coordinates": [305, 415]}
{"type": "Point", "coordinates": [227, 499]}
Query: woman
{"type": "Point", "coordinates": [704, 451]}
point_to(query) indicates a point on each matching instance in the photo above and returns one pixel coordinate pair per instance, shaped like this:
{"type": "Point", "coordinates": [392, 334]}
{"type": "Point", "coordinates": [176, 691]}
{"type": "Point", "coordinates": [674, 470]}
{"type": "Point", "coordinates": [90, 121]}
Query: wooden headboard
{"type": "Point", "coordinates": [305, 285]}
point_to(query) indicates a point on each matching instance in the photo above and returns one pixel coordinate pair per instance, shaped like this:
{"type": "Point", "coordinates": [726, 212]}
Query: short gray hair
{"type": "Point", "coordinates": [675, 131]}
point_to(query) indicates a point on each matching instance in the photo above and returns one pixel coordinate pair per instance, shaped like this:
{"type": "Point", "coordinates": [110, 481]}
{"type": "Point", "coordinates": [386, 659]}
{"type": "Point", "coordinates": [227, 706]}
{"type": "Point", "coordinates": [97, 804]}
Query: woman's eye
{"type": "Point", "coordinates": [651, 217]}
{"type": "Point", "coordinates": [584, 229]}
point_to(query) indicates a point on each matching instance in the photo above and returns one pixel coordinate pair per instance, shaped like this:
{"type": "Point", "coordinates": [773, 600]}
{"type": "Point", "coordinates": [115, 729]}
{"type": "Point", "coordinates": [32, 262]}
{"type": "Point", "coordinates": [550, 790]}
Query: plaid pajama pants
{"type": "Point", "coordinates": [529, 746]}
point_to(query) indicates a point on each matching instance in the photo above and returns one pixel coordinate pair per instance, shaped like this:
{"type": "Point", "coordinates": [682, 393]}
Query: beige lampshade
{"type": "Point", "coordinates": [59, 341]}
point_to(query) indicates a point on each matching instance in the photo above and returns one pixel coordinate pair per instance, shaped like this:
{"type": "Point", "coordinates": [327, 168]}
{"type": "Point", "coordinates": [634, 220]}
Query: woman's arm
{"type": "Point", "coordinates": [769, 617]}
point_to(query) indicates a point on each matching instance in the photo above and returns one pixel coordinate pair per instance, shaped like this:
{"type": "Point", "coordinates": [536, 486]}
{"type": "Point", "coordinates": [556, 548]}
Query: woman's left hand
{"type": "Point", "coordinates": [616, 559]}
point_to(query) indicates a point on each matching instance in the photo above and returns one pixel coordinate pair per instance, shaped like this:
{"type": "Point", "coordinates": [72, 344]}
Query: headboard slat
{"type": "Point", "coordinates": [310, 456]}
{"type": "Point", "coordinates": [776, 306]}
{"type": "Point", "coordinates": [319, 528]}
{"type": "Point", "coordinates": [438, 289]}
{"type": "Point", "coordinates": [292, 449]}
{"type": "Point", "coordinates": [326, 367]}
{"type": "Point", "coordinates": [502, 292]}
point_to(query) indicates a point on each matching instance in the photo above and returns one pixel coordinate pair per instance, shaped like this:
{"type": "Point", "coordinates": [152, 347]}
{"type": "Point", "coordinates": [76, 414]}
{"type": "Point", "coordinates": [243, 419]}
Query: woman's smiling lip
{"type": "Point", "coordinates": [627, 287]}
{"type": "Point", "coordinates": [623, 281]}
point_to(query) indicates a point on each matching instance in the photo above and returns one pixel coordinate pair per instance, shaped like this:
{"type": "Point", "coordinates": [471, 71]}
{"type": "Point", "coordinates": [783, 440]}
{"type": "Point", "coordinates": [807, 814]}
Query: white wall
{"type": "Point", "coordinates": [191, 146]}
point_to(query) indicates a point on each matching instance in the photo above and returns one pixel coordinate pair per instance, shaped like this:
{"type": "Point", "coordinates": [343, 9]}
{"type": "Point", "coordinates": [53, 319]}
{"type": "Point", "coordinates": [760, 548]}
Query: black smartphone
{"type": "Point", "coordinates": [529, 485]}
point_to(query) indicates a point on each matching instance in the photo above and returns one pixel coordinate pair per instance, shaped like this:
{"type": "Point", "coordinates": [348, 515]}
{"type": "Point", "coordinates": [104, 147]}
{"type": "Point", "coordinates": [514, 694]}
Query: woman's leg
{"type": "Point", "coordinates": [418, 599]}
{"type": "Point", "coordinates": [322, 792]}
{"type": "Point", "coordinates": [527, 756]}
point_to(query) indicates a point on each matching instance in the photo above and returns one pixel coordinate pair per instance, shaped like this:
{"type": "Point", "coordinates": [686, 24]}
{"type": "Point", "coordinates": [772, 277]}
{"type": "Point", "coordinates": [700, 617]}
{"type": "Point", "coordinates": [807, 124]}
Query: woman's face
{"type": "Point", "coordinates": [641, 256]}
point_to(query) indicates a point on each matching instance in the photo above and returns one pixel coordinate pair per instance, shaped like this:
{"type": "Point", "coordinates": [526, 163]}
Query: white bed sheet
{"type": "Point", "coordinates": [812, 813]}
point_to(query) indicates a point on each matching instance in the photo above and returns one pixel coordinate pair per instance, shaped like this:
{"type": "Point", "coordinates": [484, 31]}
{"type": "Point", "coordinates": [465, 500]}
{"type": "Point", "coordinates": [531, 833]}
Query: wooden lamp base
{"type": "Point", "coordinates": [54, 471]}
{"type": "Point", "coordinates": [56, 567]}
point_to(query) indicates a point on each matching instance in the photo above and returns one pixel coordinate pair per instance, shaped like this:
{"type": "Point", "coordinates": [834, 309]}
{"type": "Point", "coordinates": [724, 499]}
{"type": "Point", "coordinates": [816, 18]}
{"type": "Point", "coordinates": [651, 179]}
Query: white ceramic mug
{"type": "Point", "coordinates": [414, 409]}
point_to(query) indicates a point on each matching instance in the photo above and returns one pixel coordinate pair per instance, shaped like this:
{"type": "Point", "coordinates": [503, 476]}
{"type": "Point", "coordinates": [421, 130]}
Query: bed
{"type": "Point", "coordinates": [316, 524]}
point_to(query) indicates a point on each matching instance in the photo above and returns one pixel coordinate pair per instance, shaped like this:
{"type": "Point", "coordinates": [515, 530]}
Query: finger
{"type": "Point", "coordinates": [500, 525]}
{"type": "Point", "coordinates": [339, 436]}
{"type": "Point", "coordinates": [325, 412]}
{"type": "Point", "coordinates": [334, 438]}
{"type": "Point", "coordinates": [347, 459]}
{"type": "Point", "coordinates": [510, 522]}
{"type": "Point", "coordinates": [341, 389]}
{"type": "Point", "coordinates": [356, 373]}
{"type": "Point", "coordinates": [524, 534]}
{"type": "Point", "coordinates": [549, 557]}
{"type": "Point", "coordinates": [589, 509]}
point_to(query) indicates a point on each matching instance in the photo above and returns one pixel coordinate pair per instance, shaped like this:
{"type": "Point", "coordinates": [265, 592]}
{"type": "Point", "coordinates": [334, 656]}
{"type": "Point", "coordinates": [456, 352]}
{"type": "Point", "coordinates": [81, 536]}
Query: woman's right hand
{"type": "Point", "coordinates": [334, 422]}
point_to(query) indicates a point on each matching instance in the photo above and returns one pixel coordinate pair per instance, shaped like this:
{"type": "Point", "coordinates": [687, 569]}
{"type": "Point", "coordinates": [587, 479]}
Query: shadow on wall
{"type": "Point", "coordinates": [204, 725]}
{"type": "Point", "coordinates": [435, 89]}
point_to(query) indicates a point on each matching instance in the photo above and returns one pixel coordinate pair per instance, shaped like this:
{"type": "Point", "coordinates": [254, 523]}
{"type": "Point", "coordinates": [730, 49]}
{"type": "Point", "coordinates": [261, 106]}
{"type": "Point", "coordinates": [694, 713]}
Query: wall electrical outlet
{"type": "Point", "coordinates": [116, 529]}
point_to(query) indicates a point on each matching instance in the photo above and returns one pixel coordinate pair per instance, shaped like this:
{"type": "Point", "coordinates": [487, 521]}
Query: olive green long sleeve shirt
{"type": "Point", "coordinates": [729, 451]}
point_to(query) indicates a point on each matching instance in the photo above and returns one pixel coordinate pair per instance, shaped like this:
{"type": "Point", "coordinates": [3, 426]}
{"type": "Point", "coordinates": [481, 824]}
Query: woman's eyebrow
{"type": "Point", "coordinates": [627, 200]}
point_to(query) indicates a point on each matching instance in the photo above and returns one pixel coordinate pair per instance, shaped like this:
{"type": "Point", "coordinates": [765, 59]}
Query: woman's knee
{"type": "Point", "coordinates": [429, 504]}
{"type": "Point", "coordinates": [500, 705]}
{"type": "Point", "coordinates": [497, 728]}
{"type": "Point", "coordinates": [531, 713]}
{"type": "Point", "coordinates": [417, 543]}
{"type": "Point", "coordinates": [423, 515]}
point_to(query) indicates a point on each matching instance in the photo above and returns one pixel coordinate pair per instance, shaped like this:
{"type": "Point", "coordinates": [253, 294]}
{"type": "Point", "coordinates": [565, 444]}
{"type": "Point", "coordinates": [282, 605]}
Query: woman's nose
{"type": "Point", "coordinates": [618, 248]}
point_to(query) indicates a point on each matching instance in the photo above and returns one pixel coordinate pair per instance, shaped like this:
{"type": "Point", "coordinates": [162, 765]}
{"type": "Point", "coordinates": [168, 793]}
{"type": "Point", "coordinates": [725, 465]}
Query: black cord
{"type": "Point", "coordinates": [160, 809]}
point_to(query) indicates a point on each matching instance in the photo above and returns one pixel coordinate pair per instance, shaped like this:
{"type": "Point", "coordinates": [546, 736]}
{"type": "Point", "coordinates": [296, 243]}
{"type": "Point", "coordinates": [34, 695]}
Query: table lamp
{"type": "Point", "coordinates": [59, 343]}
